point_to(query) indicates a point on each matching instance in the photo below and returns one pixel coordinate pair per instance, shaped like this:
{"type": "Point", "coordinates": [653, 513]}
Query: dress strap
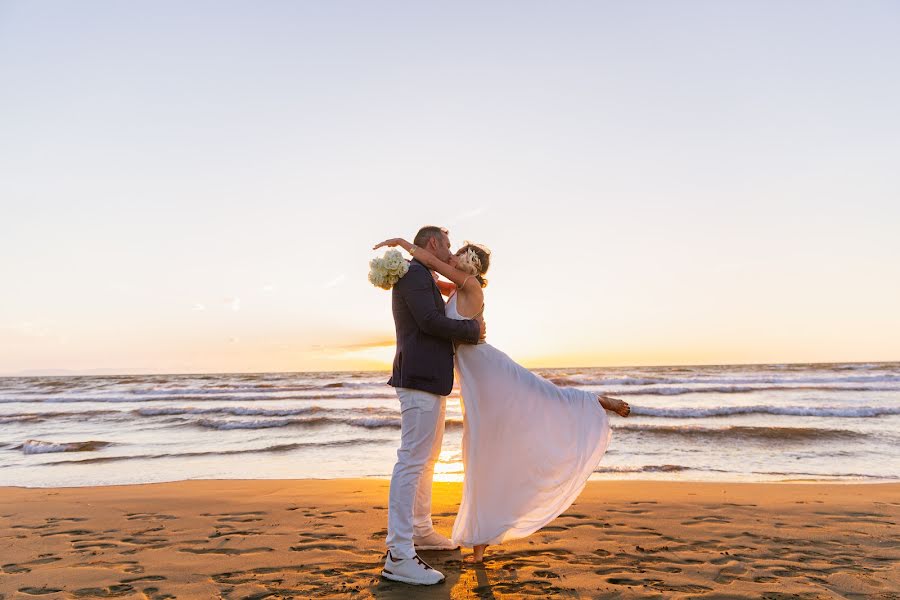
{"type": "Point", "coordinates": [478, 314]}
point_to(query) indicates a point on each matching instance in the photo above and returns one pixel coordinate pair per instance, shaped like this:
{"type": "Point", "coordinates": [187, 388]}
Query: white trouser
{"type": "Point", "coordinates": [409, 505]}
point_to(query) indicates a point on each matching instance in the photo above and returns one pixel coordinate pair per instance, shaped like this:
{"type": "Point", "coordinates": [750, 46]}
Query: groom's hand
{"type": "Point", "coordinates": [480, 320]}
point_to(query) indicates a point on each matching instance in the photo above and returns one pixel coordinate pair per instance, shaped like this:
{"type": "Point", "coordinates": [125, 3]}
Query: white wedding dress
{"type": "Point", "coordinates": [528, 445]}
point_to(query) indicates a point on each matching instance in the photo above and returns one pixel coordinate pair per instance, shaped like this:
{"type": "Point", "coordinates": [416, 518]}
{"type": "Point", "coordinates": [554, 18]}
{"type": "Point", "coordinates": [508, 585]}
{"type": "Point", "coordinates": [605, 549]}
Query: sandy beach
{"type": "Point", "coordinates": [325, 538]}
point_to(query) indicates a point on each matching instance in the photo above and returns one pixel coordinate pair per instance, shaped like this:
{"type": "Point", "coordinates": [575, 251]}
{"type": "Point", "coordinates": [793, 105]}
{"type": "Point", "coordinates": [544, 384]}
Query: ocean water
{"type": "Point", "coordinates": [815, 422]}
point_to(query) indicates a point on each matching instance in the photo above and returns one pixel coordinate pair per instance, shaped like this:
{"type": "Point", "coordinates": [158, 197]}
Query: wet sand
{"type": "Point", "coordinates": [325, 538]}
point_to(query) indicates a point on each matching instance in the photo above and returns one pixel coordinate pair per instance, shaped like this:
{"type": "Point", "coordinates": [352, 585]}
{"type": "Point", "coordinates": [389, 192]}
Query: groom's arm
{"type": "Point", "coordinates": [416, 290]}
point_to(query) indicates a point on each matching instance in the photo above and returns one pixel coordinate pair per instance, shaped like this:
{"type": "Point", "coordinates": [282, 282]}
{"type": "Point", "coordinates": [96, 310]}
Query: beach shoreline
{"type": "Point", "coordinates": [608, 480]}
{"type": "Point", "coordinates": [283, 538]}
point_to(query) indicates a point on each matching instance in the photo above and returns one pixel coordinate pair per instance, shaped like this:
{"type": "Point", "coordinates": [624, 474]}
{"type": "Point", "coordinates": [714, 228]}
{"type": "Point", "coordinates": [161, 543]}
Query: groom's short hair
{"type": "Point", "coordinates": [428, 232]}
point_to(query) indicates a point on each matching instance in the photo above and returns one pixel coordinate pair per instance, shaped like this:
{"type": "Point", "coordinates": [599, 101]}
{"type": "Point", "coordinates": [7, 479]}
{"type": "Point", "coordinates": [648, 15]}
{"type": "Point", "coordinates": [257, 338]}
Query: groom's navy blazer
{"type": "Point", "coordinates": [424, 358]}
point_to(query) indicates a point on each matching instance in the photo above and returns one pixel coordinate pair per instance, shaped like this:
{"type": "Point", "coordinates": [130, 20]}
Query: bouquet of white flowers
{"type": "Point", "coordinates": [384, 272]}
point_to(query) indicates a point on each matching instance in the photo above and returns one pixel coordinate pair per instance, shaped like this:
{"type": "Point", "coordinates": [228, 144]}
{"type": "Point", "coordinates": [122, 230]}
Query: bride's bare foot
{"type": "Point", "coordinates": [620, 407]}
{"type": "Point", "coordinates": [477, 556]}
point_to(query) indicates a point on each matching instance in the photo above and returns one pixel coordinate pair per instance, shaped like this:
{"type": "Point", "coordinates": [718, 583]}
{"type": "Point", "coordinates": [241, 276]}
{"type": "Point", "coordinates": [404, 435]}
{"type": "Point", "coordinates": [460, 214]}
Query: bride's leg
{"type": "Point", "coordinates": [477, 555]}
{"type": "Point", "coordinates": [620, 407]}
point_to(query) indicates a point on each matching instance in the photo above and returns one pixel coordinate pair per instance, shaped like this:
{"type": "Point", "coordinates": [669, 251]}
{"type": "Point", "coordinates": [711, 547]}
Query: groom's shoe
{"type": "Point", "coordinates": [433, 541]}
{"type": "Point", "coordinates": [410, 570]}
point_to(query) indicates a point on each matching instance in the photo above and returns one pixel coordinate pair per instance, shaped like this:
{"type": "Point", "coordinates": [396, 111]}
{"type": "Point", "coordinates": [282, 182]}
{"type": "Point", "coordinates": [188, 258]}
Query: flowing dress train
{"type": "Point", "coordinates": [528, 445]}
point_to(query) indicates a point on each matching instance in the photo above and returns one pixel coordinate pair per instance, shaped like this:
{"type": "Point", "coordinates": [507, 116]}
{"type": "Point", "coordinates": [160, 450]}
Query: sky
{"type": "Point", "coordinates": [191, 186]}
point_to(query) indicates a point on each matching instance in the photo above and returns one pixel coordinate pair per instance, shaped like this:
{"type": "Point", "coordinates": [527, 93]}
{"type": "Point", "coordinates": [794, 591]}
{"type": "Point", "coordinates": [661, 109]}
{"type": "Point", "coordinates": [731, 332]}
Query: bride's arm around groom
{"type": "Point", "coordinates": [417, 289]}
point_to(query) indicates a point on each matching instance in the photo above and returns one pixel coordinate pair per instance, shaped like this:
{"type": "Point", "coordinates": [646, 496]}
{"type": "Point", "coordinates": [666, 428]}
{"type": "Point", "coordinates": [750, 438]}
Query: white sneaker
{"type": "Point", "coordinates": [433, 541]}
{"type": "Point", "coordinates": [410, 570]}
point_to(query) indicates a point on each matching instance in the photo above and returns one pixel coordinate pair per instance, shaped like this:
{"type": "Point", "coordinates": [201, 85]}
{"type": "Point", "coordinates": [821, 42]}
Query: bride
{"type": "Point", "coordinates": [528, 445]}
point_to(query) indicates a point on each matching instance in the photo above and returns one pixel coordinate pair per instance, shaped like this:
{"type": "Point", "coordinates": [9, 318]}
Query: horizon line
{"type": "Point", "coordinates": [75, 373]}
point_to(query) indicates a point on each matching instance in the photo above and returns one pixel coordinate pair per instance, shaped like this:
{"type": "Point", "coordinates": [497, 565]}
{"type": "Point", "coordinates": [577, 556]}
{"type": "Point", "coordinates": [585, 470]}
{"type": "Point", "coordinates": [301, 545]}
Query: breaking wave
{"type": "Point", "coordinates": [737, 433]}
{"type": "Point", "coordinates": [796, 411]}
{"type": "Point", "coordinates": [275, 448]}
{"type": "Point", "coordinates": [42, 447]}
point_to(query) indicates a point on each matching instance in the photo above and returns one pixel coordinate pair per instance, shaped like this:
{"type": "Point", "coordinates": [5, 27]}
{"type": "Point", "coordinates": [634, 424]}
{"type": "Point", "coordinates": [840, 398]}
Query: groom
{"type": "Point", "coordinates": [422, 376]}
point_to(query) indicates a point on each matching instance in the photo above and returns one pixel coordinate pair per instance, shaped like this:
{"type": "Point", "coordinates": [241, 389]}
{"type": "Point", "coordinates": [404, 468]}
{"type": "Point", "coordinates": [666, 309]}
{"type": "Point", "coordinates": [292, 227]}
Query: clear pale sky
{"type": "Point", "coordinates": [195, 186]}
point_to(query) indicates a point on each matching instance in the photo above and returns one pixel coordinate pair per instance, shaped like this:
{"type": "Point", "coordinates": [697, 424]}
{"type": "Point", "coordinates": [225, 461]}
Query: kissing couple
{"type": "Point", "coordinates": [528, 445]}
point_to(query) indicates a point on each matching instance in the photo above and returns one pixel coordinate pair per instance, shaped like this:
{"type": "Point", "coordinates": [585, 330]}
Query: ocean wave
{"type": "Point", "coordinates": [220, 396]}
{"type": "Point", "coordinates": [818, 382]}
{"type": "Point", "coordinates": [366, 422]}
{"type": "Point", "coordinates": [259, 423]}
{"type": "Point", "coordinates": [268, 449]}
{"type": "Point", "coordinates": [745, 389]}
{"type": "Point", "coordinates": [742, 432]}
{"type": "Point", "coordinates": [229, 410]}
{"type": "Point", "coordinates": [373, 422]}
{"type": "Point", "coordinates": [35, 417]}
{"type": "Point", "coordinates": [644, 469]}
{"type": "Point", "coordinates": [250, 389]}
{"type": "Point", "coordinates": [861, 366]}
{"type": "Point", "coordinates": [168, 385]}
{"type": "Point", "coordinates": [791, 474]}
{"type": "Point", "coordinates": [230, 388]}
{"type": "Point", "coordinates": [23, 418]}
{"type": "Point", "coordinates": [391, 422]}
{"type": "Point", "coordinates": [827, 475]}
{"type": "Point", "coordinates": [665, 388]}
{"type": "Point", "coordinates": [42, 447]}
{"type": "Point", "coordinates": [796, 411]}
{"type": "Point", "coordinates": [139, 392]}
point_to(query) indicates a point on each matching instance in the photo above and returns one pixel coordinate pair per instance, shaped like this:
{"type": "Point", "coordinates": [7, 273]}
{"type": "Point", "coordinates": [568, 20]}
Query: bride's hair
{"type": "Point", "coordinates": [474, 259]}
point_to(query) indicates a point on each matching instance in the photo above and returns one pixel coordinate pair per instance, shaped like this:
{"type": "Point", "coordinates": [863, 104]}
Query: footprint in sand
{"type": "Point", "coordinates": [13, 568]}
{"type": "Point", "coordinates": [113, 591]}
{"type": "Point", "coordinates": [657, 584]}
{"type": "Point", "coordinates": [88, 545]}
{"type": "Point", "coordinates": [237, 517]}
{"type": "Point", "coordinates": [148, 516]}
{"type": "Point", "coordinates": [127, 566]}
{"type": "Point", "coordinates": [152, 593]}
{"type": "Point", "coordinates": [227, 551]}
{"type": "Point", "coordinates": [705, 519]}
{"type": "Point", "coordinates": [652, 550]}
{"type": "Point", "coordinates": [144, 578]}
{"type": "Point", "coordinates": [546, 574]}
{"type": "Point", "coordinates": [42, 559]}
{"type": "Point", "coordinates": [309, 537]}
{"type": "Point", "coordinates": [41, 591]}
{"type": "Point", "coordinates": [44, 526]}
{"type": "Point", "coordinates": [633, 533]}
{"type": "Point", "coordinates": [323, 546]}
{"type": "Point", "coordinates": [230, 532]}
{"type": "Point", "coordinates": [730, 574]}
